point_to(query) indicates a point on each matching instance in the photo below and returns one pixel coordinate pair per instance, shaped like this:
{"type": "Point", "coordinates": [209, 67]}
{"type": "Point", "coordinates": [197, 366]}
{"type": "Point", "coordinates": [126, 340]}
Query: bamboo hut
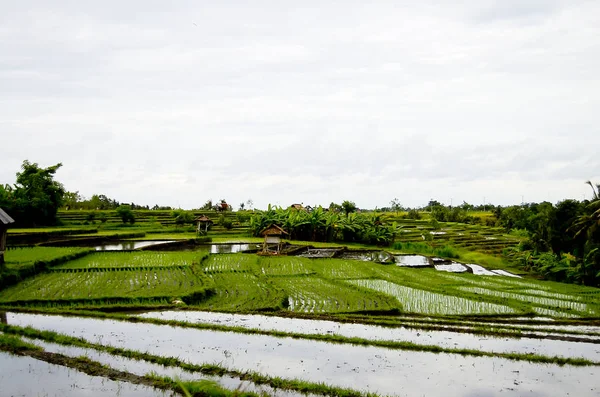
{"type": "Point", "coordinates": [273, 239]}
{"type": "Point", "coordinates": [5, 221]}
{"type": "Point", "coordinates": [203, 223]}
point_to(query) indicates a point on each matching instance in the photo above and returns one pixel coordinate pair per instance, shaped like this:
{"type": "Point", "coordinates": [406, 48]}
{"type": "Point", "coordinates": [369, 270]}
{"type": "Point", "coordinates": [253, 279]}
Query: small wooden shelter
{"type": "Point", "coordinates": [203, 223]}
{"type": "Point", "coordinates": [5, 221]}
{"type": "Point", "coordinates": [273, 243]}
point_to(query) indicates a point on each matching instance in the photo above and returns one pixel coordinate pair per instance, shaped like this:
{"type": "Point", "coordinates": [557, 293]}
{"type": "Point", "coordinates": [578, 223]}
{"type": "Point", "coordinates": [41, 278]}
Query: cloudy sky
{"type": "Point", "coordinates": [174, 103]}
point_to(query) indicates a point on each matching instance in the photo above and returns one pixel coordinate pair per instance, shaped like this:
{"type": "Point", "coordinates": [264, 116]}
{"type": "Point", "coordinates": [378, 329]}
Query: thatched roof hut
{"type": "Point", "coordinates": [5, 221]}
{"type": "Point", "coordinates": [203, 223]}
{"type": "Point", "coordinates": [273, 235]}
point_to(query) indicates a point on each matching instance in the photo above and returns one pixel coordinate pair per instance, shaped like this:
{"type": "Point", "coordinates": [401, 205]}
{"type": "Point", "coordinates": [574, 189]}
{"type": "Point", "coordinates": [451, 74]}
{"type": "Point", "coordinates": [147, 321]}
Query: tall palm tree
{"type": "Point", "coordinates": [588, 225]}
{"type": "Point", "coordinates": [595, 190]}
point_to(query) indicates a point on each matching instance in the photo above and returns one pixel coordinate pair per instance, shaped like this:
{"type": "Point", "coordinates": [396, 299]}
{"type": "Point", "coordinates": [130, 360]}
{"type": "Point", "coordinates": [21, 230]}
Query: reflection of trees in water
{"type": "Point", "coordinates": [228, 248]}
{"type": "Point", "coordinates": [3, 319]}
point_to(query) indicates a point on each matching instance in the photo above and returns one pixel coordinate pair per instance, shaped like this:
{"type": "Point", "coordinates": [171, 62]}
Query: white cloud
{"type": "Point", "coordinates": [317, 102]}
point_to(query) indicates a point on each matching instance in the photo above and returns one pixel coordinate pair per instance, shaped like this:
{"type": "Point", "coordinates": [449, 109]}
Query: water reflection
{"type": "Point", "coordinates": [360, 367]}
{"type": "Point", "coordinates": [26, 376]}
{"type": "Point", "coordinates": [231, 248]}
{"type": "Point", "coordinates": [129, 245]}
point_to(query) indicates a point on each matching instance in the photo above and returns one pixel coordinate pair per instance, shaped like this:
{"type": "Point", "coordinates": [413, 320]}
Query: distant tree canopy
{"type": "Point", "coordinates": [35, 197]}
{"type": "Point", "coordinates": [73, 200]}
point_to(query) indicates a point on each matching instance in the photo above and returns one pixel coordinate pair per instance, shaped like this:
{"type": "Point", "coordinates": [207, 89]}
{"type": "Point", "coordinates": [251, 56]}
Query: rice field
{"type": "Point", "coordinates": [536, 300]}
{"type": "Point", "coordinates": [19, 257]}
{"type": "Point", "coordinates": [317, 295]}
{"type": "Point", "coordinates": [140, 259]}
{"type": "Point", "coordinates": [248, 282]}
{"type": "Point", "coordinates": [431, 303]}
{"type": "Point", "coordinates": [103, 285]}
{"type": "Point", "coordinates": [241, 291]}
{"type": "Point", "coordinates": [111, 275]}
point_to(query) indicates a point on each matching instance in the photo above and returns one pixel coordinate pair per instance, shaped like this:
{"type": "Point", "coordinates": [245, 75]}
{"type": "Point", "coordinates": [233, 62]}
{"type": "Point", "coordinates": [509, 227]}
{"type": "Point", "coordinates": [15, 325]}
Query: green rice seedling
{"type": "Point", "coordinates": [235, 263]}
{"type": "Point", "coordinates": [133, 259]}
{"type": "Point", "coordinates": [239, 291]}
{"type": "Point", "coordinates": [166, 282]}
{"type": "Point", "coordinates": [344, 269]}
{"type": "Point", "coordinates": [316, 295]}
{"type": "Point", "coordinates": [285, 266]}
{"type": "Point", "coordinates": [539, 301]}
{"type": "Point", "coordinates": [420, 301]}
{"type": "Point", "coordinates": [18, 257]}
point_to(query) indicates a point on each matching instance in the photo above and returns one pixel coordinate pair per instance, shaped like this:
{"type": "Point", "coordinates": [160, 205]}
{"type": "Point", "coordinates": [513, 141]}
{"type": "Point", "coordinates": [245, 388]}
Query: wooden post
{"type": "Point", "coordinates": [3, 319]}
{"type": "Point", "coordinates": [2, 245]}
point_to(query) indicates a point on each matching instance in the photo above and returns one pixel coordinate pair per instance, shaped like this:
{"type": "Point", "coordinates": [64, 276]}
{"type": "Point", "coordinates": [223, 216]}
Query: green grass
{"type": "Point", "coordinates": [14, 344]}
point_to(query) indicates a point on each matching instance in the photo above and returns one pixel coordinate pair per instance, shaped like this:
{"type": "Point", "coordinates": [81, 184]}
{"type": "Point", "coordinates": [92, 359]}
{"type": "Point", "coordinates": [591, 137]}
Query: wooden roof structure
{"type": "Point", "coordinates": [273, 243]}
{"type": "Point", "coordinates": [273, 230]}
{"type": "Point", "coordinates": [204, 223]}
{"type": "Point", "coordinates": [203, 219]}
{"type": "Point", "coordinates": [298, 207]}
{"type": "Point", "coordinates": [5, 219]}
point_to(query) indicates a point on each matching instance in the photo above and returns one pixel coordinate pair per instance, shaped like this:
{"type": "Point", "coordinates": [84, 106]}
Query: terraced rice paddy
{"type": "Point", "coordinates": [242, 282]}
{"type": "Point", "coordinates": [122, 275]}
{"type": "Point", "coordinates": [142, 259]}
{"type": "Point", "coordinates": [381, 340]}
{"type": "Point", "coordinates": [18, 257]}
{"type": "Point", "coordinates": [420, 301]}
{"type": "Point", "coordinates": [362, 368]}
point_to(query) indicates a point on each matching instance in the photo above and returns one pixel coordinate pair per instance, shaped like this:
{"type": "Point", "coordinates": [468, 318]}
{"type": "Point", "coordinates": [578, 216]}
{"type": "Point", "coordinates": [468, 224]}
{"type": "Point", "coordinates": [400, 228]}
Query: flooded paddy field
{"type": "Point", "coordinates": [26, 376]}
{"type": "Point", "coordinates": [376, 369]}
{"type": "Point", "coordinates": [483, 323]}
{"type": "Point", "coordinates": [141, 368]}
{"type": "Point", "coordinates": [561, 348]}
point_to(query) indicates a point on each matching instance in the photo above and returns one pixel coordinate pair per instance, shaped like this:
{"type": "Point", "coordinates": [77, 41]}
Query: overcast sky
{"type": "Point", "coordinates": [174, 103]}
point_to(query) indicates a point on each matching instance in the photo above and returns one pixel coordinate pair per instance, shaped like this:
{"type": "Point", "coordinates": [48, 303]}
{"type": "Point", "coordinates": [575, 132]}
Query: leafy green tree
{"type": "Point", "coordinates": [182, 217]}
{"type": "Point", "coordinates": [333, 207]}
{"type": "Point", "coordinates": [70, 199]}
{"type": "Point", "coordinates": [348, 207]}
{"type": "Point", "coordinates": [36, 196]}
{"type": "Point", "coordinates": [126, 214]}
{"type": "Point", "coordinates": [225, 222]}
{"type": "Point", "coordinates": [395, 205]}
{"type": "Point", "coordinates": [208, 205]}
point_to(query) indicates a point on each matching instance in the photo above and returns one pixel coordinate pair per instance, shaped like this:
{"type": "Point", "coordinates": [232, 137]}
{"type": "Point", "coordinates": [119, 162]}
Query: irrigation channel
{"type": "Point", "coordinates": [367, 368]}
